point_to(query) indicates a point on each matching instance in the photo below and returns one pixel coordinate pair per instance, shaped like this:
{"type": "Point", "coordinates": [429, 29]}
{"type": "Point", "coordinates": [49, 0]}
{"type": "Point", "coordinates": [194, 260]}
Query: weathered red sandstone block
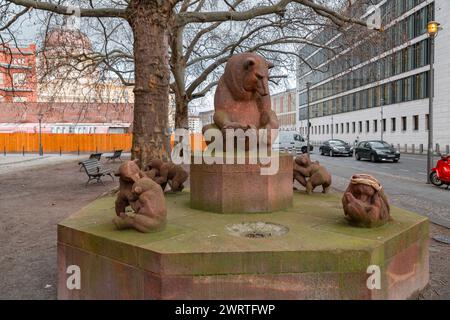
{"type": "Point", "coordinates": [240, 188]}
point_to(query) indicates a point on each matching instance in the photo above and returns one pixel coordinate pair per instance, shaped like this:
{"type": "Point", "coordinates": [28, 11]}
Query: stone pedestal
{"type": "Point", "coordinates": [311, 253]}
{"type": "Point", "coordinates": [241, 188]}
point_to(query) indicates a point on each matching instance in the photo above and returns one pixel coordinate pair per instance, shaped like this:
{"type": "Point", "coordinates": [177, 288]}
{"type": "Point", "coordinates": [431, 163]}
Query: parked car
{"type": "Point", "coordinates": [335, 147]}
{"type": "Point", "coordinates": [290, 141]}
{"type": "Point", "coordinates": [375, 150]}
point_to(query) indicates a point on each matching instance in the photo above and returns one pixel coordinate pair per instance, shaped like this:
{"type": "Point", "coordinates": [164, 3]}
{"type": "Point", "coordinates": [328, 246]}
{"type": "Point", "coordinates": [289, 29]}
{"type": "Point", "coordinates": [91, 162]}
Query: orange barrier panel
{"type": "Point", "coordinates": [55, 143]}
{"type": "Point", "coordinates": [29, 142]}
{"type": "Point", "coordinates": [197, 141]}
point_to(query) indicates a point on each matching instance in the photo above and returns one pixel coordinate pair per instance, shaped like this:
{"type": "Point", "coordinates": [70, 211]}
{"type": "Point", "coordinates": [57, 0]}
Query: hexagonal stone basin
{"type": "Point", "coordinates": [311, 253]}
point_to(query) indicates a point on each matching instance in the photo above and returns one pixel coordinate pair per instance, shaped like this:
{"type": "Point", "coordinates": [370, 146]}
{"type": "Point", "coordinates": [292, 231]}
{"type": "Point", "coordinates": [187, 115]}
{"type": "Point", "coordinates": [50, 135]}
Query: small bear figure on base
{"type": "Point", "coordinates": [164, 173]}
{"type": "Point", "coordinates": [365, 203]}
{"type": "Point", "coordinates": [145, 198]}
{"type": "Point", "coordinates": [311, 174]}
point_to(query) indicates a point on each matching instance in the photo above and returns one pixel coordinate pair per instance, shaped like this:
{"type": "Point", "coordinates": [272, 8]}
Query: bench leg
{"type": "Point", "coordinates": [88, 181]}
{"type": "Point", "coordinates": [112, 177]}
{"type": "Point", "coordinates": [99, 180]}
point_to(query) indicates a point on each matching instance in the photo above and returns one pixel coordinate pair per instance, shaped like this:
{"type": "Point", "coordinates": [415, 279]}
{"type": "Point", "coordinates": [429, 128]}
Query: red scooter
{"type": "Point", "coordinates": [441, 173]}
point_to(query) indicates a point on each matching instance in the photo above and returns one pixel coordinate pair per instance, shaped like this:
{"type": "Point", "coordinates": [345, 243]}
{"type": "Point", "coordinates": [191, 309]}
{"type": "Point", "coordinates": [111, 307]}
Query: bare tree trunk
{"type": "Point", "coordinates": [150, 22]}
{"type": "Point", "coordinates": [178, 66]}
{"type": "Point", "coordinates": [181, 114]}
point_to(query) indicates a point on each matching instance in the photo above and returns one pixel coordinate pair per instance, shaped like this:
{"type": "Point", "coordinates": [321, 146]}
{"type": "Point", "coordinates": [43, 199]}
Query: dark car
{"type": "Point", "coordinates": [336, 147]}
{"type": "Point", "coordinates": [376, 151]}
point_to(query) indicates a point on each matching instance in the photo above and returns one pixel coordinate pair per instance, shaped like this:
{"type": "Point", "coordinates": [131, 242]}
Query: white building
{"type": "Point", "coordinates": [386, 94]}
{"type": "Point", "coordinates": [195, 124]}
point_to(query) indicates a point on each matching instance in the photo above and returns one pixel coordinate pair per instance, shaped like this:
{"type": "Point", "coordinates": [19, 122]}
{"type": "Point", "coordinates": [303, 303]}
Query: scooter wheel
{"type": "Point", "coordinates": [435, 179]}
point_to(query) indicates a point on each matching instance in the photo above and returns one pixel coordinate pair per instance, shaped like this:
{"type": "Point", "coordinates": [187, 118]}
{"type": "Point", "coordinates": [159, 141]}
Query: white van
{"type": "Point", "coordinates": [290, 141]}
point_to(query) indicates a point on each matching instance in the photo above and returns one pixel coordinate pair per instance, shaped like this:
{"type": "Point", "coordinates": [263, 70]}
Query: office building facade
{"type": "Point", "coordinates": [383, 95]}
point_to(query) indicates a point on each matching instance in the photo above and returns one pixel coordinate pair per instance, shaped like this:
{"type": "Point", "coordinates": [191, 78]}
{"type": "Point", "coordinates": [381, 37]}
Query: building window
{"type": "Point", "coordinates": [342, 128]}
{"type": "Point", "coordinates": [19, 99]}
{"type": "Point", "coordinates": [353, 127]}
{"type": "Point", "coordinates": [360, 127]}
{"type": "Point", "coordinates": [427, 122]}
{"type": "Point", "coordinates": [404, 126]}
{"type": "Point", "coordinates": [19, 79]}
{"type": "Point", "coordinates": [367, 126]}
{"type": "Point", "coordinates": [348, 127]}
{"type": "Point", "coordinates": [375, 125]}
{"type": "Point", "coordinates": [416, 122]}
{"type": "Point", "coordinates": [393, 124]}
{"type": "Point", "coordinates": [421, 86]}
{"type": "Point", "coordinates": [383, 125]}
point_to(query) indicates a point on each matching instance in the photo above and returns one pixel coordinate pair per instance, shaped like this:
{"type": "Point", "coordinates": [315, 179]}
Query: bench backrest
{"type": "Point", "coordinates": [91, 166]}
{"type": "Point", "coordinates": [95, 156]}
{"type": "Point", "coordinates": [117, 153]}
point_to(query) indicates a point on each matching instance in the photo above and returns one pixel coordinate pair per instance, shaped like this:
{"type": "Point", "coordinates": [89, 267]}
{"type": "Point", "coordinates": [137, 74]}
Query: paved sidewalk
{"type": "Point", "coordinates": [18, 162]}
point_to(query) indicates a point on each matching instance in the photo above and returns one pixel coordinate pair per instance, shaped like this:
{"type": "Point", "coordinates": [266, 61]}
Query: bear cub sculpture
{"type": "Point", "coordinates": [311, 174]}
{"type": "Point", "coordinates": [144, 196]}
{"type": "Point", "coordinates": [164, 173]}
{"type": "Point", "coordinates": [365, 203]}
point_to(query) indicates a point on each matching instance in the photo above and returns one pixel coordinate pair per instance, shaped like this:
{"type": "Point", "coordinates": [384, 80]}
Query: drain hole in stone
{"type": "Point", "coordinates": [258, 235]}
{"type": "Point", "coordinates": [256, 230]}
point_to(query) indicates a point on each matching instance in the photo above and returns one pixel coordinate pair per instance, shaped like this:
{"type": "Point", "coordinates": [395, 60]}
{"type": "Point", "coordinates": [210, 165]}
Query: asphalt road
{"type": "Point", "coordinates": [404, 183]}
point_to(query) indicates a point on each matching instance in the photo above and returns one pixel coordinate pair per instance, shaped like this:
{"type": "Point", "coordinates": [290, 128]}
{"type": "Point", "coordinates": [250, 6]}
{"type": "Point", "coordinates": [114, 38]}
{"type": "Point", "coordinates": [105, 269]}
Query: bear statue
{"type": "Point", "coordinates": [242, 99]}
{"type": "Point", "coordinates": [311, 174]}
{"type": "Point", "coordinates": [365, 203]}
{"type": "Point", "coordinates": [164, 173]}
{"type": "Point", "coordinates": [145, 198]}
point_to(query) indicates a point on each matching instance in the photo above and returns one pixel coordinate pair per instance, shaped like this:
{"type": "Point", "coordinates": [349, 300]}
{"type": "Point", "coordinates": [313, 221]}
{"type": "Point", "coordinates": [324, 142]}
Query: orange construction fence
{"type": "Point", "coordinates": [64, 143]}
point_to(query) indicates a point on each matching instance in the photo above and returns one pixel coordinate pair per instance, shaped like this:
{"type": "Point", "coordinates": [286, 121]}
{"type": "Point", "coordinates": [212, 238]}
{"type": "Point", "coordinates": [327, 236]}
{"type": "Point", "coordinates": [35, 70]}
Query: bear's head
{"type": "Point", "coordinates": [303, 160]}
{"type": "Point", "coordinates": [246, 74]}
{"type": "Point", "coordinates": [129, 171]}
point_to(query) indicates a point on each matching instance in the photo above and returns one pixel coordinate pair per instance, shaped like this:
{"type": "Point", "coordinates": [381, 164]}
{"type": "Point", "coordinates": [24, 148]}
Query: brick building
{"type": "Point", "coordinates": [18, 74]}
{"type": "Point", "coordinates": [284, 105]}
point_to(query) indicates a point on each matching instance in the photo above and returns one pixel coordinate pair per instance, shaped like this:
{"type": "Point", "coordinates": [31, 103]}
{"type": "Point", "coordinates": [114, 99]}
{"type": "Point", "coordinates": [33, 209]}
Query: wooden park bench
{"type": "Point", "coordinates": [96, 156]}
{"type": "Point", "coordinates": [95, 171]}
{"type": "Point", "coordinates": [116, 155]}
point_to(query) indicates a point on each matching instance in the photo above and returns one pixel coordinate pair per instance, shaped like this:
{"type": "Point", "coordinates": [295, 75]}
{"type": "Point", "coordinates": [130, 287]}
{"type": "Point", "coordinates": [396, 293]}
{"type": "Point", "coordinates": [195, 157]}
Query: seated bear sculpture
{"type": "Point", "coordinates": [365, 203]}
{"type": "Point", "coordinates": [144, 196]}
{"type": "Point", "coordinates": [311, 174]}
{"type": "Point", "coordinates": [242, 99]}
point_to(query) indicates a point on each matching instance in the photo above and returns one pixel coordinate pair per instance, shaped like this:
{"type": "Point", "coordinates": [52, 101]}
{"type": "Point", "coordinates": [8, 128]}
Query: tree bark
{"type": "Point", "coordinates": [149, 20]}
{"type": "Point", "coordinates": [178, 67]}
{"type": "Point", "coordinates": [181, 113]}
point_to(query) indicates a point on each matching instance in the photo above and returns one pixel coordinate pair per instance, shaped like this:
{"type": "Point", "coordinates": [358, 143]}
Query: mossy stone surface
{"type": "Point", "coordinates": [196, 242]}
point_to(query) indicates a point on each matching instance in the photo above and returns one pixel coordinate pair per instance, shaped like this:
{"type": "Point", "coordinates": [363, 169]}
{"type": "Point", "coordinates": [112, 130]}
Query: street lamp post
{"type": "Point", "coordinates": [382, 116]}
{"type": "Point", "coordinates": [308, 85]}
{"type": "Point", "coordinates": [332, 125]}
{"type": "Point", "coordinates": [432, 29]}
{"type": "Point", "coordinates": [40, 116]}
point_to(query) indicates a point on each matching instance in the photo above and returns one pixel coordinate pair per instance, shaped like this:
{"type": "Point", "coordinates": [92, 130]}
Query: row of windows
{"type": "Point", "coordinates": [280, 105]}
{"type": "Point", "coordinates": [407, 29]}
{"type": "Point", "coordinates": [410, 58]}
{"type": "Point", "coordinates": [365, 127]}
{"type": "Point", "coordinates": [72, 129]}
{"type": "Point", "coordinates": [287, 119]}
{"type": "Point", "coordinates": [392, 9]}
{"type": "Point", "coordinates": [411, 88]}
